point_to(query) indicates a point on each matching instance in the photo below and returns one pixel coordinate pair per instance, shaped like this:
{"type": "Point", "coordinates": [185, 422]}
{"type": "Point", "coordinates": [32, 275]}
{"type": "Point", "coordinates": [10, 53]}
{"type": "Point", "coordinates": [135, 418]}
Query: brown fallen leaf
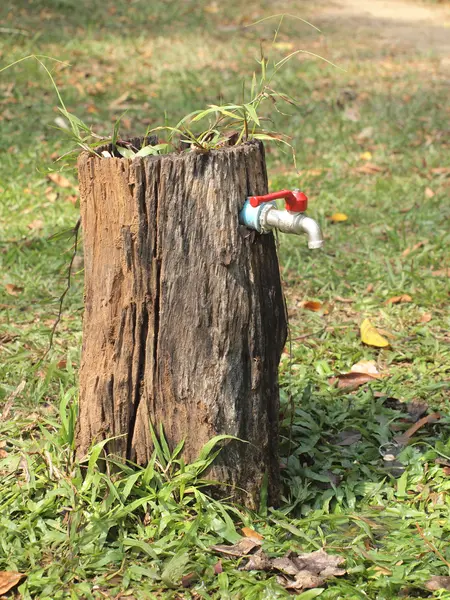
{"type": "Point", "coordinates": [426, 318]}
{"type": "Point", "coordinates": [312, 305]}
{"type": "Point", "coordinates": [251, 533]}
{"type": "Point", "coordinates": [441, 171]}
{"type": "Point", "coordinates": [399, 299]}
{"type": "Point", "coordinates": [352, 380]}
{"type": "Point", "coordinates": [242, 548]}
{"type": "Point", "coordinates": [12, 289]}
{"type": "Point", "coordinates": [51, 196]}
{"type": "Point", "coordinates": [441, 273]}
{"type": "Point", "coordinates": [365, 134]}
{"type": "Point", "coordinates": [36, 225]}
{"type": "Point", "coordinates": [369, 169]}
{"type": "Point", "coordinates": [369, 288]}
{"type": "Point", "coordinates": [6, 338]}
{"type": "Point", "coordinates": [413, 248]}
{"type": "Point", "coordinates": [438, 582]}
{"type": "Point", "coordinates": [62, 364]}
{"type": "Point", "coordinates": [429, 193]}
{"type": "Point", "coordinates": [8, 580]}
{"type": "Point", "coordinates": [404, 438]}
{"type": "Point", "coordinates": [344, 300]}
{"type": "Point", "coordinates": [60, 180]}
{"type": "Point", "coordinates": [189, 579]}
{"type": "Point", "coordinates": [352, 114]}
{"type": "Point", "coordinates": [414, 408]}
{"type": "Point", "coordinates": [218, 567]}
{"type": "Point", "coordinates": [258, 562]}
{"type": "Point", "coordinates": [300, 571]}
{"type": "Point", "coordinates": [310, 570]}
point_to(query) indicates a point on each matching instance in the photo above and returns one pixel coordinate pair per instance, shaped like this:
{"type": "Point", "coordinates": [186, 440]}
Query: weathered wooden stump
{"type": "Point", "coordinates": [184, 318]}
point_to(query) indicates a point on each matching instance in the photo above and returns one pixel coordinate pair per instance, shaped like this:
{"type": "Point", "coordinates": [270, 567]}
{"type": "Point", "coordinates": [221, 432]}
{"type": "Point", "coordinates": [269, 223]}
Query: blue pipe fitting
{"type": "Point", "coordinates": [251, 216]}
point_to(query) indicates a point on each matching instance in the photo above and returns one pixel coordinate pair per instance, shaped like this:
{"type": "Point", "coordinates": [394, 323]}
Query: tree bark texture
{"type": "Point", "coordinates": [184, 319]}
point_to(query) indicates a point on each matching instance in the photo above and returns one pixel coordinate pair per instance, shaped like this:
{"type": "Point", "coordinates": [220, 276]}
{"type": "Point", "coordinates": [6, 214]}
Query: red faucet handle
{"type": "Point", "coordinates": [295, 200]}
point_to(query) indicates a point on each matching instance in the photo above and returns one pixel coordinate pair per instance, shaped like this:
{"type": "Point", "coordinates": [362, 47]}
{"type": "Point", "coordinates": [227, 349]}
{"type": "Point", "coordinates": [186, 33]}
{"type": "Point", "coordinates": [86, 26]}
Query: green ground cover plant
{"type": "Point", "coordinates": [369, 142]}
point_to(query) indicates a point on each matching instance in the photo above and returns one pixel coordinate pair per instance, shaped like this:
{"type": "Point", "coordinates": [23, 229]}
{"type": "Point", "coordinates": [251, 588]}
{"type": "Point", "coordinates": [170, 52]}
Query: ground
{"type": "Point", "coordinates": [371, 139]}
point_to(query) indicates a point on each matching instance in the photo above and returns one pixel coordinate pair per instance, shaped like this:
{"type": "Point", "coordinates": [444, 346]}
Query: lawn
{"type": "Point", "coordinates": [370, 141]}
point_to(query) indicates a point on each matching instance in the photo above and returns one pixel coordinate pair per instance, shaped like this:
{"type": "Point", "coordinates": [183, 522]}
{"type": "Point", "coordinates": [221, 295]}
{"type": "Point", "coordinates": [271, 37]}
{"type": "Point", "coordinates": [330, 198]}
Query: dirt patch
{"type": "Point", "coordinates": [413, 27]}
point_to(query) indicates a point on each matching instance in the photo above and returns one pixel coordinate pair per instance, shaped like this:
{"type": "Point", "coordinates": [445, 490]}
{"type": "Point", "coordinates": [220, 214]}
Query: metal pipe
{"type": "Point", "coordinates": [291, 222]}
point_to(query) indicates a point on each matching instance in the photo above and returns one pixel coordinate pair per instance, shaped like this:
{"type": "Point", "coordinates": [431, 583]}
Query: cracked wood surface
{"type": "Point", "coordinates": [184, 318]}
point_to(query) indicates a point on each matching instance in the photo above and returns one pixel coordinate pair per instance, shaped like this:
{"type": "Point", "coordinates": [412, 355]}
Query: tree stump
{"type": "Point", "coordinates": [184, 319]}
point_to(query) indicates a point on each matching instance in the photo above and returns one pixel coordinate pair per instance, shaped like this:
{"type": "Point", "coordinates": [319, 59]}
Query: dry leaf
{"type": "Point", "coordinates": [302, 571]}
{"type": "Point", "coordinates": [365, 366]}
{"type": "Point", "coordinates": [441, 273]}
{"type": "Point", "coordinates": [36, 225]}
{"type": "Point", "coordinates": [312, 305]}
{"type": "Point", "coordinates": [369, 169]}
{"type": "Point", "coordinates": [441, 170]}
{"type": "Point", "coordinates": [429, 193]}
{"type": "Point", "coordinates": [352, 380]}
{"type": "Point", "coordinates": [12, 289]}
{"type": "Point", "coordinates": [242, 548]}
{"type": "Point", "coordinates": [59, 180]}
{"type": "Point", "coordinates": [399, 299]}
{"type": "Point", "coordinates": [258, 562]}
{"type": "Point", "coordinates": [51, 195]}
{"type": "Point", "coordinates": [426, 318]}
{"type": "Point", "coordinates": [366, 156]}
{"type": "Point", "coordinates": [338, 217]}
{"type": "Point", "coordinates": [9, 579]}
{"type": "Point", "coordinates": [218, 567]}
{"type": "Point", "coordinates": [365, 134]}
{"type": "Point", "coordinates": [62, 364]}
{"type": "Point", "coordinates": [251, 533]}
{"type": "Point", "coordinates": [415, 247]}
{"type": "Point", "coordinates": [352, 114]}
{"type": "Point", "coordinates": [310, 570]}
{"type": "Point", "coordinates": [370, 335]}
{"type": "Point", "coordinates": [344, 300]}
{"type": "Point", "coordinates": [438, 582]}
{"type": "Point", "coordinates": [189, 579]}
{"type": "Point", "coordinates": [369, 288]}
{"type": "Point", "coordinates": [404, 438]}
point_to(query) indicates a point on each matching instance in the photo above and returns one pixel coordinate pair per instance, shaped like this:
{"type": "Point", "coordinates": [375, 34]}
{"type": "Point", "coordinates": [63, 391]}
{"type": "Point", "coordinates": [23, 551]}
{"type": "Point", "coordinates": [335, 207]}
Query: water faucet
{"type": "Point", "coordinates": [261, 213]}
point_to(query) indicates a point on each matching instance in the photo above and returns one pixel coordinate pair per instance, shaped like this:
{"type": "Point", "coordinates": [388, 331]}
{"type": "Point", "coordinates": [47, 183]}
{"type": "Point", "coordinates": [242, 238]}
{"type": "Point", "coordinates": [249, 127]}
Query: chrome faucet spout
{"type": "Point", "coordinates": [312, 230]}
{"type": "Point", "coordinates": [261, 213]}
{"type": "Point", "coordinates": [290, 222]}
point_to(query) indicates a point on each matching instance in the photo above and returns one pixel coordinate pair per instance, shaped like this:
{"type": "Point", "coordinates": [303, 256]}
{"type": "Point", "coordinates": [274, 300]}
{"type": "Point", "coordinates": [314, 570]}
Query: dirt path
{"type": "Point", "coordinates": [414, 27]}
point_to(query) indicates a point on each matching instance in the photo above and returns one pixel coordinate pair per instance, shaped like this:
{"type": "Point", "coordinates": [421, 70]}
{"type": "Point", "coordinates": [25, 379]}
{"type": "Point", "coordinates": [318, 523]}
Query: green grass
{"type": "Point", "coordinates": [136, 534]}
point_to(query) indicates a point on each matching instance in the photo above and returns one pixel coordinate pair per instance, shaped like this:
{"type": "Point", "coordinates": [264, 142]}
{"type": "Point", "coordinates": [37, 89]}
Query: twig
{"type": "Point", "coordinates": [76, 230]}
{"type": "Point", "coordinates": [432, 546]}
{"type": "Point", "coordinates": [16, 31]}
